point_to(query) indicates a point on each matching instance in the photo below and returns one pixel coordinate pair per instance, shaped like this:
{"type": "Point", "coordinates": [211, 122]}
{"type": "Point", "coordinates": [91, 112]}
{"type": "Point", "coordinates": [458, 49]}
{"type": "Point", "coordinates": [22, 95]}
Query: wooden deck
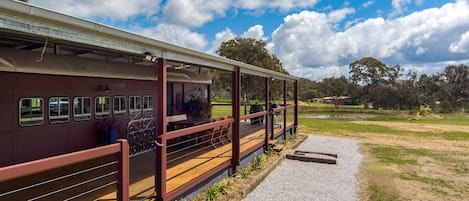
{"type": "Point", "coordinates": [179, 173]}
{"type": "Point", "coordinates": [190, 169]}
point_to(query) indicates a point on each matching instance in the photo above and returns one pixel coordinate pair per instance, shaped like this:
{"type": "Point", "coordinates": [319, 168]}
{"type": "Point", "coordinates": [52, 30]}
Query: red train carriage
{"type": "Point", "coordinates": [54, 102]}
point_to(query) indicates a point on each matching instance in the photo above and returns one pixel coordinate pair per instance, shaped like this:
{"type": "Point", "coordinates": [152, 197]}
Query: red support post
{"type": "Point", "coordinates": [160, 118]}
{"type": "Point", "coordinates": [267, 116]}
{"type": "Point", "coordinates": [285, 111]}
{"type": "Point", "coordinates": [295, 99]}
{"type": "Point", "coordinates": [123, 171]}
{"type": "Point", "coordinates": [236, 96]}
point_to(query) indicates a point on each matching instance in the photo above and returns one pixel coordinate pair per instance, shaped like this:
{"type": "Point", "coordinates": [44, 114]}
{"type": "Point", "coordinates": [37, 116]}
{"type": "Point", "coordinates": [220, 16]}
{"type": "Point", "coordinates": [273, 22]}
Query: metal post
{"type": "Point", "coordinates": [236, 96]}
{"type": "Point", "coordinates": [160, 117]}
{"type": "Point", "coordinates": [295, 96]}
{"type": "Point", "coordinates": [267, 108]}
{"type": "Point", "coordinates": [123, 171]}
{"type": "Point", "coordinates": [285, 111]}
{"type": "Point", "coordinates": [272, 118]}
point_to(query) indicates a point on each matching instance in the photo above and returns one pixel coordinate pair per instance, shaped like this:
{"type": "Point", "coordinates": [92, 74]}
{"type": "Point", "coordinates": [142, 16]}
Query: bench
{"type": "Point", "coordinates": [179, 117]}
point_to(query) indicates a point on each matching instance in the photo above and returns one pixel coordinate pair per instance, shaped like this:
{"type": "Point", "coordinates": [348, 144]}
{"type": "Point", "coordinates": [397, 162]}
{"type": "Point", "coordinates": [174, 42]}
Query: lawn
{"type": "Point", "coordinates": [424, 159]}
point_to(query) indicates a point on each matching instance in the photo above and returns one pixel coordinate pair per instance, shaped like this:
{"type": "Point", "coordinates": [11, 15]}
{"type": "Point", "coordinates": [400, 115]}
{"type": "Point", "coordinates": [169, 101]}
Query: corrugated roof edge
{"type": "Point", "coordinates": [84, 24]}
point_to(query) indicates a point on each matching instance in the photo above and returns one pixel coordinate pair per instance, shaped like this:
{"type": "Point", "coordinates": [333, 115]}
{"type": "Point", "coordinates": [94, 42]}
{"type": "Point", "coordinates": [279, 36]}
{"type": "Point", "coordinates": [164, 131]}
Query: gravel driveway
{"type": "Point", "coordinates": [296, 180]}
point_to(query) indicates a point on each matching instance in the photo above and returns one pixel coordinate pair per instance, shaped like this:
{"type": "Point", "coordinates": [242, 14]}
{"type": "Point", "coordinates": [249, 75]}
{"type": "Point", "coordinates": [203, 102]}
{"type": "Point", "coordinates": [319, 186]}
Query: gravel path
{"type": "Point", "coordinates": [296, 180]}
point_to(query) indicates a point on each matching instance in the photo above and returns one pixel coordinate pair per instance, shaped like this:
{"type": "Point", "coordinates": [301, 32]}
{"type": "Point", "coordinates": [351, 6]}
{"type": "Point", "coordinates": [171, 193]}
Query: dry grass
{"type": "Point", "coordinates": [408, 161]}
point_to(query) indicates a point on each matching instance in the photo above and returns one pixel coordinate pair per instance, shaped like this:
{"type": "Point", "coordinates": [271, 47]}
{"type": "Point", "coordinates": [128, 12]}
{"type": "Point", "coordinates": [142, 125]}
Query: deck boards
{"type": "Point", "coordinates": [188, 170]}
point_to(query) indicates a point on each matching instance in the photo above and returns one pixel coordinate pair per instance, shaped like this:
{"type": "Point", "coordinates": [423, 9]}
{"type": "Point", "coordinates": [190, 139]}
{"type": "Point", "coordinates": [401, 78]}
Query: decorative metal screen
{"type": "Point", "coordinates": [141, 134]}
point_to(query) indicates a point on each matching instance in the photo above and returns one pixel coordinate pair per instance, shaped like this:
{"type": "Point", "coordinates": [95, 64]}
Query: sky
{"type": "Point", "coordinates": [314, 39]}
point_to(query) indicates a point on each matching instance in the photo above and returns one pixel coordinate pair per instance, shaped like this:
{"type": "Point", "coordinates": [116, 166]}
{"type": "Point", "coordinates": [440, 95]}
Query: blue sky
{"type": "Point", "coordinates": [313, 38]}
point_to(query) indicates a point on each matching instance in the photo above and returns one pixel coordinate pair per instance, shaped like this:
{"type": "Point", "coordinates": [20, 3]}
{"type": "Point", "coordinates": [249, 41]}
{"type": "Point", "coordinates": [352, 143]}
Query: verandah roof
{"type": "Point", "coordinates": [36, 21]}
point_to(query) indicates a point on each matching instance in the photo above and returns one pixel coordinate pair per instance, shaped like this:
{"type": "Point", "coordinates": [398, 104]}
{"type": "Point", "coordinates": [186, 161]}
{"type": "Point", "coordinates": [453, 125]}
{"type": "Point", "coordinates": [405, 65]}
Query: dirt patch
{"type": "Point", "coordinates": [418, 127]}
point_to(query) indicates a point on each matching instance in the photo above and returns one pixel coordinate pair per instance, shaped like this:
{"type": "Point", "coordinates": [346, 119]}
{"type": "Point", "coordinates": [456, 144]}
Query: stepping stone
{"type": "Point", "coordinates": [309, 156]}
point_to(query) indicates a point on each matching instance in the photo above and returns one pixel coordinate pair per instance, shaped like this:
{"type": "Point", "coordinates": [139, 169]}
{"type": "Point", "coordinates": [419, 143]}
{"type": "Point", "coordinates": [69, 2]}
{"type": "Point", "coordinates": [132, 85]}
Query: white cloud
{"type": "Point", "coordinates": [194, 13]}
{"type": "Point", "coordinates": [281, 4]}
{"type": "Point", "coordinates": [221, 37]}
{"type": "Point", "coordinates": [308, 40]}
{"type": "Point", "coordinates": [176, 34]}
{"type": "Point", "coordinates": [367, 4]}
{"type": "Point", "coordinates": [255, 32]}
{"type": "Point", "coordinates": [462, 45]}
{"type": "Point", "coordinates": [119, 10]}
{"type": "Point", "coordinates": [339, 15]}
{"type": "Point", "coordinates": [400, 6]}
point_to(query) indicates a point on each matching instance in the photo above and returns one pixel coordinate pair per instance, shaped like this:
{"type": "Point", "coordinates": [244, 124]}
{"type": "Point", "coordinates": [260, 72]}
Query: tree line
{"type": "Point", "coordinates": [371, 82]}
{"type": "Point", "coordinates": [377, 85]}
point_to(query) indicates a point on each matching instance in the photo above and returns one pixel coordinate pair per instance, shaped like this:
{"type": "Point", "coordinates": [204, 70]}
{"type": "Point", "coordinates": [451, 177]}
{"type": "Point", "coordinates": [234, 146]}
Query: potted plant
{"type": "Point", "coordinates": [198, 107]}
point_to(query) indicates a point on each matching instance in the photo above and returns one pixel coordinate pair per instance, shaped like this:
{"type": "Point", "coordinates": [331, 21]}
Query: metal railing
{"type": "Point", "coordinates": [85, 179]}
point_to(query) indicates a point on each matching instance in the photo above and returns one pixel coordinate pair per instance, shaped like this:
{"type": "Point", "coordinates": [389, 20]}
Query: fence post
{"type": "Point", "coordinates": [123, 171]}
{"type": "Point", "coordinates": [295, 96]}
{"type": "Point", "coordinates": [267, 116]}
{"type": "Point", "coordinates": [285, 110]}
{"type": "Point", "coordinates": [236, 93]}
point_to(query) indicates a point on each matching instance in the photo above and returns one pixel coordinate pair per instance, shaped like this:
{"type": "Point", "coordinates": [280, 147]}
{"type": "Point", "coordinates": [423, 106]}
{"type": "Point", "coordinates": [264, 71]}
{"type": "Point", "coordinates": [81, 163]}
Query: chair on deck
{"type": "Point", "coordinates": [216, 132]}
{"type": "Point", "coordinates": [226, 132]}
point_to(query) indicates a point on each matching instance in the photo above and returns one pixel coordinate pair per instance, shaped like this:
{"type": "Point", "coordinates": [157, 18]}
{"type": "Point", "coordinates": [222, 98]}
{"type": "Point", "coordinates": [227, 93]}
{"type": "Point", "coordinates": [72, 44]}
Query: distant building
{"type": "Point", "coordinates": [339, 100]}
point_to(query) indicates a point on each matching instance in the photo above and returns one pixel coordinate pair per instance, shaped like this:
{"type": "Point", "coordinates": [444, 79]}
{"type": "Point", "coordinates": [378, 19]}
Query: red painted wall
{"type": "Point", "coordinates": [19, 144]}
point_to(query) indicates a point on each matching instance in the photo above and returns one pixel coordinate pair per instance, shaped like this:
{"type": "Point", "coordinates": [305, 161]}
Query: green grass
{"type": "Point", "coordinates": [415, 177]}
{"type": "Point", "coordinates": [221, 111]}
{"type": "Point", "coordinates": [456, 135]}
{"type": "Point", "coordinates": [394, 155]}
{"type": "Point", "coordinates": [378, 193]}
{"type": "Point", "coordinates": [338, 126]}
{"type": "Point", "coordinates": [461, 119]}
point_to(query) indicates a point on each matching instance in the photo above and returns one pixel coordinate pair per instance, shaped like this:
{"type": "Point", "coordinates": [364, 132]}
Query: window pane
{"type": "Point", "coordinates": [81, 107]}
{"type": "Point", "coordinates": [122, 104]}
{"type": "Point", "coordinates": [64, 106]}
{"type": "Point", "coordinates": [31, 111]}
{"type": "Point", "coordinates": [134, 104]}
{"type": "Point", "coordinates": [87, 105]}
{"type": "Point", "coordinates": [58, 109]}
{"type": "Point", "coordinates": [116, 104]}
{"type": "Point", "coordinates": [36, 105]}
{"type": "Point", "coordinates": [102, 106]}
{"type": "Point", "coordinates": [77, 105]}
{"type": "Point", "coordinates": [53, 107]}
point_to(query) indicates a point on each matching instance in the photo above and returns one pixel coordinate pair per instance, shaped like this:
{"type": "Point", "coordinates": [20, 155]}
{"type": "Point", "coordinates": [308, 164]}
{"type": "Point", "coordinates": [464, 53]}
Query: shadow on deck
{"type": "Point", "coordinates": [193, 166]}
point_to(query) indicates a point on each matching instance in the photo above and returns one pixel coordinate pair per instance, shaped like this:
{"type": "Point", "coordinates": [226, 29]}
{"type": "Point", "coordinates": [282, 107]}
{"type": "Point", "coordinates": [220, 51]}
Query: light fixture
{"type": "Point", "coordinates": [104, 87]}
{"type": "Point", "coordinates": [150, 57]}
{"type": "Point", "coordinates": [181, 67]}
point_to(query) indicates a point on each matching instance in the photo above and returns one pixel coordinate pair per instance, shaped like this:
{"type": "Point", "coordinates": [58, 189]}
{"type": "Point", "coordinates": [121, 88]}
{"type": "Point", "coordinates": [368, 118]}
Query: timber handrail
{"type": "Point", "coordinates": [257, 114]}
{"type": "Point", "coordinates": [198, 128]}
{"type": "Point", "coordinates": [41, 165]}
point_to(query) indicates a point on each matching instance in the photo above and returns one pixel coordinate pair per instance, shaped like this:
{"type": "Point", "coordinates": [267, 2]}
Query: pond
{"type": "Point", "coordinates": [345, 116]}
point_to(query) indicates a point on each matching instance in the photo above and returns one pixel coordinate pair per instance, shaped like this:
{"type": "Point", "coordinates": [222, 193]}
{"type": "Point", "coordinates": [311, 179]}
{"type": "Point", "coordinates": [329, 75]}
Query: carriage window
{"type": "Point", "coordinates": [81, 108]}
{"type": "Point", "coordinates": [102, 106]}
{"type": "Point", "coordinates": [58, 109]}
{"type": "Point", "coordinates": [147, 103]}
{"type": "Point", "coordinates": [31, 111]}
{"type": "Point", "coordinates": [119, 105]}
{"type": "Point", "coordinates": [134, 104]}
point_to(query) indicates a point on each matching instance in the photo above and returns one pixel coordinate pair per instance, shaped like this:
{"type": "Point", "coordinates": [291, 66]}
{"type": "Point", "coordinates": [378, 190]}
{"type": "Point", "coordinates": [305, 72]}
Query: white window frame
{"type": "Point", "coordinates": [22, 120]}
{"type": "Point", "coordinates": [120, 111]}
{"type": "Point", "coordinates": [102, 114]}
{"type": "Point", "coordinates": [83, 116]}
{"type": "Point", "coordinates": [135, 110]}
{"type": "Point", "coordinates": [56, 119]}
{"type": "Point", "coordinates": [145, 109]}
